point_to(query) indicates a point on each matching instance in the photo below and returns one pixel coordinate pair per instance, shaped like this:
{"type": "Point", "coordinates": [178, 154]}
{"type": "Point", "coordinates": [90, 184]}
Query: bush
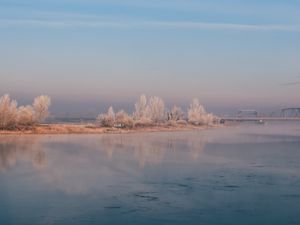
{"type": "Point", "coordinates": [26, 116]}
{"type": "Point", "coordinates": [143, 122]}
{"type": "Point", "coordinates": [197, 114]}
{"type": "Point", "coordinates": [123, 119]}
{"type": "Point", "coordinates": [106, 119]}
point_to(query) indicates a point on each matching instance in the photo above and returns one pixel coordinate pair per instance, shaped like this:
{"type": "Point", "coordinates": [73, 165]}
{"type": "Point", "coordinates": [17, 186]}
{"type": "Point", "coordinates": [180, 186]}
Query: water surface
{"type": "Point", "coordinates": [247, 174]}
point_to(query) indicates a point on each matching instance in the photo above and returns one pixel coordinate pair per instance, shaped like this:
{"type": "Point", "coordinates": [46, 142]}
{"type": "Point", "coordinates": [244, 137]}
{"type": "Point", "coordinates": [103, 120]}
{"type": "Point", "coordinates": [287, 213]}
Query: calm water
{"type": "Point", "coordinates": [249, 174]}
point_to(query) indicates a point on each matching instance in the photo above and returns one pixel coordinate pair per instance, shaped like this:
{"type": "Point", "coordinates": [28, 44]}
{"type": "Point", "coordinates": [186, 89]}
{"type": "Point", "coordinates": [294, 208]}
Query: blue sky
{"type": "Point", "coordinates": [87, 54]}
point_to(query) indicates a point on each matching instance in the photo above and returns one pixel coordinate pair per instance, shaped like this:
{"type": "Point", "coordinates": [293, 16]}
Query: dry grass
{"type": "Point", "coordinates": [91, 129]}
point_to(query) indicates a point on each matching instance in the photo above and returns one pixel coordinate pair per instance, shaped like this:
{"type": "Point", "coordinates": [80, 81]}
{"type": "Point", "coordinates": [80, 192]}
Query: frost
{"type": "Point", "coordinates": [41, 105]}
{"type": "Point", "coordinates": [197, 114]}
{"type": "Point", "coordinates": [152, 111]}
{"type": "Point", "coordinates": [26, 115]}
{"type": "Point", "coordinates": [107, 119]}
{"type": "Point", "coordinates": [8, 112]}
{"type": "Point", "coordinates": [12, 117]}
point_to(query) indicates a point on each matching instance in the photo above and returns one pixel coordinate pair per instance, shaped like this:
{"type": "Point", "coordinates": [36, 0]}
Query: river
{"type": "Point", "coordinates": [243, 174]}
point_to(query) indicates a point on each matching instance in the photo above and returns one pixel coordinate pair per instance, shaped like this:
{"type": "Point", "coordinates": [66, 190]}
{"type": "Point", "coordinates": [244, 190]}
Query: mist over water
{"type": "Point", "coordinates": [244, 174]}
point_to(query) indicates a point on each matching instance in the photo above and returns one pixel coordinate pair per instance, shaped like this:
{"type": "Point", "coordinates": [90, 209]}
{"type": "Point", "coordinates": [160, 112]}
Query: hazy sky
{"type": "Point", "coordinates": [229, 54]}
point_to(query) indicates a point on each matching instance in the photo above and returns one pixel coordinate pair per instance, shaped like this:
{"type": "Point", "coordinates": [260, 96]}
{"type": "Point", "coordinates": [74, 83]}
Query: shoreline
{"type": "Point", "coordinates": [90, 129]}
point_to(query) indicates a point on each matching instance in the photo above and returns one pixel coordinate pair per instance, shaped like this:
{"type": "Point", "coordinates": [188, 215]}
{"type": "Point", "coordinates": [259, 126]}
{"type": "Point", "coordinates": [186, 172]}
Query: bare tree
{"type": "Point", "coordinates": [8, 112]}
{"type": "Point", "coordinates": [41, 105]}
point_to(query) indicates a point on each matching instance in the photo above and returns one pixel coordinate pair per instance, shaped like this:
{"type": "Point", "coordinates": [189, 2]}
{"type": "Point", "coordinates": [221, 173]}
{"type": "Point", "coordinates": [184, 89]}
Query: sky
{"type": "Point", "coordinates": [89, 54]}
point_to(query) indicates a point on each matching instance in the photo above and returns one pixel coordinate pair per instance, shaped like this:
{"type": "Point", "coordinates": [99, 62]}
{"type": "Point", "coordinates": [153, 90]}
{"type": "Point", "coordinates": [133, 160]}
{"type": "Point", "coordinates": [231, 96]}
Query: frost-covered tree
{"type": "Point", "coordinates": [107, 119]}
{"type": "Point", "coordinates": [141, 114]}
{"type": "Point", "coordinates": [156, 109]}
{"type": "Point", "coordinates": [8, 112]}
{"type": "Point", "coordinates": [209, 118]}
{"type": "Point", "coordinates": [176, 114]}
{"type": "Point", "coordinates": [198, 116]}
{"type": "Point", "coordinates": [41, 105]}
{"type": "Point", "coordinates": [123, 119]}
{"type": "Point", "coordinates": [196, 113]}
{"type": "Point", "coordinates": [141, 108]}
{"type": "Point", "coordinates": [26, 116]}
{"type": "Point", "coordinates": [148, 112]}
{"type": "Point", "coordinates": [12, 117]}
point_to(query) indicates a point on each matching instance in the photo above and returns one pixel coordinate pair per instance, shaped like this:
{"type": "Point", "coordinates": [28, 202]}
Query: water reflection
{"type": "Point", "coordinates": [147, 150]}
{"type": "Point", "coordinates": [77, 164]}
{"type": "Point", "coordinates": [13, 149]}
{"type": "Point", "coordinates": [152, 149]}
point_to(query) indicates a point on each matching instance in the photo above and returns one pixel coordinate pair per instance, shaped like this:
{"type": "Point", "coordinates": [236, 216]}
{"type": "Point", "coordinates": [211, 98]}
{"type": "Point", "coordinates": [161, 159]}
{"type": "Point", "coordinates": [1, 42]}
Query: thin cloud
{"type": "Point", "coordinates": [291, 83]}
{"type": "Point", "coordinates": [224, 26]}
{"type": "Point", "coordinates": [145, 24]}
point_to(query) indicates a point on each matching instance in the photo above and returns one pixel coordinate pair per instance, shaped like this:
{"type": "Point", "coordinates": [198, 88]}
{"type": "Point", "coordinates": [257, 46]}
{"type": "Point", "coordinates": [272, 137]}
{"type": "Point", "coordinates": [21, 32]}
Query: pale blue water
{"type": "Point", "coordinates": [249, 174]}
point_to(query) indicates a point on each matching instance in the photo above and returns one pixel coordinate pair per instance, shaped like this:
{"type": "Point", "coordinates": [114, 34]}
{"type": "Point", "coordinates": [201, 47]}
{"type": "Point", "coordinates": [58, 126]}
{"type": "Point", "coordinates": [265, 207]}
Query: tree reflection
{"type": "Point", "coordinates": [152, 149]}
{"type": "Point", "coordinates": [78, 164]}
{"type": "Point", "coordinates": [146, 149]}
{"type": "Point", "coordinates": [14, 149]}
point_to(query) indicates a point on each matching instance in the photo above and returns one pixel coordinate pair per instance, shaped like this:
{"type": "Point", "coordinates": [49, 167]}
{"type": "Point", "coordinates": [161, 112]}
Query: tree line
{"type": "Point", "coordinates": [147, 112]}
{"type": "Point", "coordinates": [152, 111]}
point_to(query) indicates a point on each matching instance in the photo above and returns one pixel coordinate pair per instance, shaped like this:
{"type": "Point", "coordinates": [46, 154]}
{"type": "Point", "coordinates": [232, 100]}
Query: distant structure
{"type": "Point", "coordinates": [247, 113]}
{"type": "Point", "coordinates": [250, 115]}
{"type": "Point", "coordinates": [290, 112]}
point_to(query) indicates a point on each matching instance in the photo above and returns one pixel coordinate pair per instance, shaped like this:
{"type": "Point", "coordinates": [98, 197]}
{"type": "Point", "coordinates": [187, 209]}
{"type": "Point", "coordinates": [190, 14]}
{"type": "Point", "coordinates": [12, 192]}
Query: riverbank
{"type": "Point", "coordinates": [91, 129]}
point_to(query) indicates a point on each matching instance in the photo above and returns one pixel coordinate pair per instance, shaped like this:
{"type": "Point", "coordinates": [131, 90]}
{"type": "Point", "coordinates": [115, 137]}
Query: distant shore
{"type": "Point", "coordinates": [91, 129]}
